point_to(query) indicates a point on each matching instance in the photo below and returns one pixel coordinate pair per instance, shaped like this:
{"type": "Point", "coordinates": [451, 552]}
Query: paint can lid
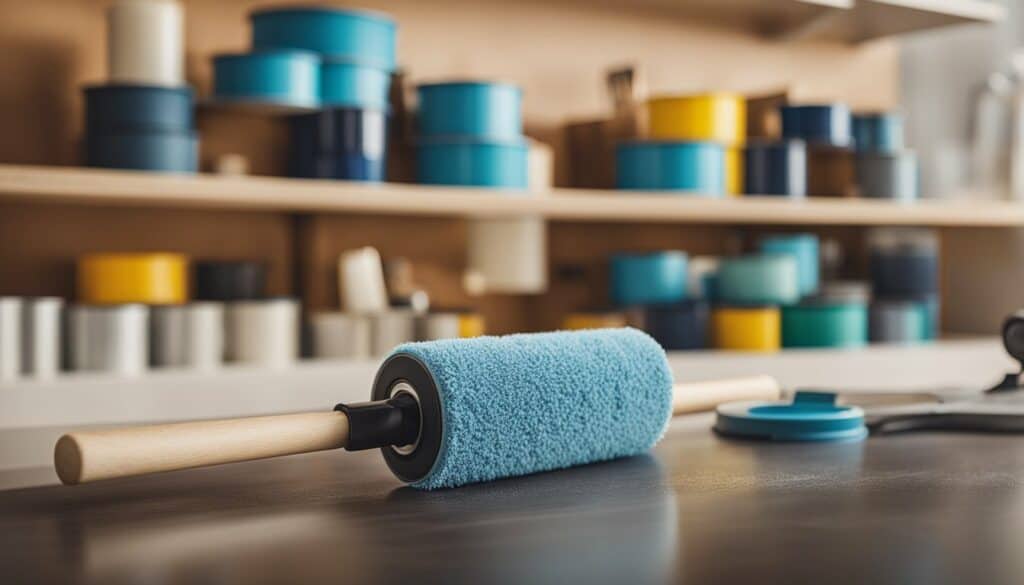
{"type": "Point", "coordinates": [811, 416]}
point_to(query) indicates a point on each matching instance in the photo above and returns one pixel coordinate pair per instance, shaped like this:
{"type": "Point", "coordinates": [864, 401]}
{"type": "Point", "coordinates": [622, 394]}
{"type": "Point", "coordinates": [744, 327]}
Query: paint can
{"type": "Point", "coordinates": [10, 338]}
{"type": "Point", "coordinates": [187, 336]}
{"type": "Point", "coordinates": [473, 163]}
{"type": "Point", "coordinates": [42, 337]}
{"type": "Point", "coordinates": [830, 171]}
{"type": "Point", "coordinates": [904, 322]}
{"type": "Point", "coordinates": [690, 167]}
{"type": "Point", "coordinates": [677, 326]}
{"type": "Point", "coordinates": [747, 328]}
{"type": "Point", "coordinates": [361, 281]}
{"type": "Point", "coordinates": [123, 278]}
{"type": "Point", "coordinates": [819, 323]}
{"type": "Point", "coordinates": [818, 124]}
{"type": "Point", "coordinates": [357, 36]}
{"type": "Point", "coordinates": [880, 132]}
{"type": "Point", "coordinates": [776, 168]}
{"type": "Point", "coordinates": [434, 326]}
{"type": "Point", "coordinates": [904, 263]}
{"type": "Point", "coordinates": [390, 329]}
{"type": "Point", "coordinates": [594, 320]}
{"type": "Point", "coordinates": [888, 175]}
{"type": "Point", "coordinates": [652, 278]}
{"type": "Point", "coordinates": [471, 109]}
{"type": "Point", "coordinates": [472, 324]}
{"type": "Point", "coordinates": [145, 42]}
{"type": "Point", "coordinates": [344, 84]}
{"type": "Point", "coordinates": [759, 279]}
{"type": "Point", "coordinates": [339, 143]}
{"type": "Point", "coordinates": [804, 248]}
{"type": "Point", "coordinates": [287, 78]}
{"type": "Point", "coordinates": [508, 256]}
{"type": "Point", "coordinates": [230, 280]}
{"type": "Point", "coordinates": [262, 332]}
{"type": "Point", "coordinates": [341, 335]}
{"type": "Point", "coordinates": [116, 109]}
{"type": "Point", "coordinates": [167, 152]}
{"type": "Point", "coordinates": [109, 338]}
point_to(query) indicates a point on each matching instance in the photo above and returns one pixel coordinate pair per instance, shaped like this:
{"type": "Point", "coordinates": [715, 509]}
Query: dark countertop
{"type": "Point", "coordinates": [924, 508]}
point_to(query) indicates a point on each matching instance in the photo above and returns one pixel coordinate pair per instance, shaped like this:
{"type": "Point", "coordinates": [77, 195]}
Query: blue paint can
{"type": "Point", "coordinates": [339, 143]}
{"type": "Point", "coordinates": [802, 247]}
{"type": "Point", "coordinates": [827, 124]}
{"type": "Point", "coordinates": [696, 167]}
{"type": "Point", "coordinates": [144, 151]}
{"type": "Point", "coordinates": [279, 78]}
{"type": "Point", "coordinates": [904, 272]}
{"type": "Point", "coordinates": [878, 132]}
{"type": "Point", "coordinates": [475, 163]}
{"type": "Point", "coordinates": [110, 109]}
{"type": "Point", "coordinates": [676, 326]}
{"type": "Point", "coordinates": [356, 36]}
{"type": "Point", "coordinates": [904, 322]}
{"type": "Point", "coordinates": [348, 85]}
{"type": "Point", "coordinates": [776, 168]}
{"type": "Point", "coordinates": [491, 111]}
{"type": "Point", "coordinates": [644, 279]}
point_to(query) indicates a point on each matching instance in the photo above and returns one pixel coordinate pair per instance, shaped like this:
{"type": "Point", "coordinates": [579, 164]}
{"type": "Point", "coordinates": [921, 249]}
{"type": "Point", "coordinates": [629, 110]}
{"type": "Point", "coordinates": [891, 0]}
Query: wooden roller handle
{"type": "Point", "coordinates": [92, 455]}
{"type": "Point", "coordinates": [701, 396]}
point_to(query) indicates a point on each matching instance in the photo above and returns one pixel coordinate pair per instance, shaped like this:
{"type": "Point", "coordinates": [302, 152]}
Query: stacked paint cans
{"type": "Point", "coordinates": [826, 131]}
{"type": "Point", "coordinates": [470, 133]}
{"type": "Point", "coordinates": [694, 146]}
{"type": "Point", "coordinates": [337, 62]}
{"type": "Point", "coordinates": [904, 269]}
{"type": "Point", "coordinates": [652, 290]}
{"type": "Point", "coordinates": [885, 169]}
{"type": "Point", "coordinates": [143, 118]}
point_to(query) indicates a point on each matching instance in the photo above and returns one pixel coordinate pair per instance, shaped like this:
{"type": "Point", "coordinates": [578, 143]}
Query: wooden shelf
{"type": "Point", "coordinates": [125, 188]}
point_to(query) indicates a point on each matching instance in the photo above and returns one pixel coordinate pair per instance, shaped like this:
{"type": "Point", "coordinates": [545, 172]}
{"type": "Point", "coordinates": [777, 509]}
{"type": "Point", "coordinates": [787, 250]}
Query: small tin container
{"type": "Point", "coordinates": [713, 117]}
{"type": "Point", "coordinates": [350, 85]}
{"type": "Point", "coordinates": [358, 36]}
{"type": "Point", "coordinates": [692, 167]}
{"type": "Point", "coordinates": [759, 279]}
{"type": "Point", "coordinates": [287, 78]}
{"type": "Point", "coordinates": [887, 175]}
{"type": "Point", "coordinates": [804, 248]}
{"type": "Point", "coordinates": [42, 336]}
{"type": "Point", "coordinates": [654, 278]}
{"type": "Point", "coordinates": [434, 326]}
{"type": "Point", "coordinates": [230, 280]}
{"type": "Point", "coordinates": [904, 272]}
{"type": "Point", "coordinates": [187, 336]}
{"type": "Point", "coordinates": [116, 109]}
{"type": "Point", "coordinates": [473, 163]}
{"type": "Point", "coordinates": [159, 278]}
{"type": "Point", "coordinates": [10, 338]}
{"type": "Point", "coordinates": [880, 132]}
{"type": "Point", "coordinates": [169, 152]}
{"type": "Point", "coordinates": [776, 168]}
{"type": "Point", "coordinates": [482, 110]}
{"type": "Point", "coordinates": [262, 332]}
{"type": "Point", "coordinates": [338, 335]}
{"type": "Point", "coordinates": [391, 329]}
{"type": "Point", "coordinates": [818, 124]}
{"type": "Point", "coordinates": [747, 328]}
{"type": "Point", "coordinates": [109, 338]}
{"type": "Point", "coordinates": [825, 324]}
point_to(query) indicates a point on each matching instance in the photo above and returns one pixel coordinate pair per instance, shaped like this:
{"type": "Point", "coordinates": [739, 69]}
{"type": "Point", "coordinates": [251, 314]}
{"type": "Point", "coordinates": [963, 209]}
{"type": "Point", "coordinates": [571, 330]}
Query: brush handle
{"type": "Point", "coordinates": [92, 455]}
{"type": "Point", "coordinates": [702, 396]}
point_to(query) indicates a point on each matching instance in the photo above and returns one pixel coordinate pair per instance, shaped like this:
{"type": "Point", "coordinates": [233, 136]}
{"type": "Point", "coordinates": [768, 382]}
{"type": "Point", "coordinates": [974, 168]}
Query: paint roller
{"type": "Point", "coordinates": [450, 412]}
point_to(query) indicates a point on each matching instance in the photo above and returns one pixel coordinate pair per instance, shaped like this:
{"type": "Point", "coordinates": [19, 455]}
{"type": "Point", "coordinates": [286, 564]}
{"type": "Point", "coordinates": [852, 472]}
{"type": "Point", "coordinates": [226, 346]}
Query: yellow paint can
{"type": "Point", "coordinates": [578, 321]}
{"type": "Point", "coordinates": [471, 325]}
{"type": "Point", "coordinates": [747, 328]}
{"type": "Point", "coordinates": [150, 278]}
{"type": "Point", "coordinates": [718, 117]}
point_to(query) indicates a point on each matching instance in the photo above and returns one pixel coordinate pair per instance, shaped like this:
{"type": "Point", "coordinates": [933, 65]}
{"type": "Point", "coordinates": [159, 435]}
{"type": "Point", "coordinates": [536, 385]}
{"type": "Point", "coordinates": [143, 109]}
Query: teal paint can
{"type": "Point", "coordinates": [759, 279]}
{"type": "Point", "coordinates": [278, 78]}
{"type": "Point", "coordinates": [803, 248]}
{"type": "Point", "coordinates": [358, 36]}
{"type": "Point", "coordinates": [647, 279]}
{"type": "Point", "coordinates": [472, 163]}
{"type": "Point", "coordinates": [488, 111]}
{"type": "Point", "coordinates": [824, 324]}
{"type": "Point", "coordinates": [691, 167]}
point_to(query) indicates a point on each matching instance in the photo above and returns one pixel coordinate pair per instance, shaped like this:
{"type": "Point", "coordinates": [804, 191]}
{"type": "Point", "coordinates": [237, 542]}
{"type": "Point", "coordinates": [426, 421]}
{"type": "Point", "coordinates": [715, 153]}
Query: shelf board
{"type": "Point", "coordinates": [872, 19]}
{"type": "Point", "coordinates": [103, 187]}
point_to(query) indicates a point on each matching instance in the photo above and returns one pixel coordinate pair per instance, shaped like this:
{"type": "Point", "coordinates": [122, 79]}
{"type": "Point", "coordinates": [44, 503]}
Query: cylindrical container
{"type": "Point", "coordinates": [483, 110]}
{"type": "Point", "coordinates": [825, 324]}
{"type": "Point", "coordinates": [702, 278]}
{"type": "Point", "coordinates": [887, 175]}
{"type": "Point", "coordinates": [594, 320]}
{"type": "Point", "coordinates": [776, 168]}
{"type": "Point", "coordinates": [747, 328]}
{"type": "Point", "coordinates": [341, 335]}
{"type": "Point", "coordinates": [475, 163]}
{"type": "Point", "coordinates": [287, 78]}
{"type": "Point", "coordinates": [654, 278]}
{"type": "Point", "coordinates": [845, 291]}
{"type": "Point", "coordinates": [821, 124]}
{"type": "Point", "coordinates": [169, 152]}
{"type": "Point", "coordinates": [878, 132]}
{"type": "Point", "coordinates": [358, 36]}
{"type": "Point", "coordinates": [715, 117]}
{"type": "Point", "coordinates": [676, 326]}
{"type": "Point", "coordinates": [390, 329]}
{"type": "Point", "coordinates": [10, 337]}
{"type": "Point", "coordinates": [145, 42]}
{"type": "Point", "coordinates": [933, 312]}
{"type": "Point", "coordinates": [904, 264]}
{"type": "Point", "coordinates": [434, 326]}
{"type": "Point", "coordinates": [130, 109]}
{"type": "Point", "coordinates": [899, 322]}
{"type": "Point", "coordinates": [361, 281]}
{"type": "Point", "coordinates": [697, 167]}
{"type": "Point", "coordinates": [472, 325]}
{"type": "Point", "coordinates": [830, 171]}
{"type": "Point", "coordinates": [345, 84]}
{"type": "Point", "coordinates": [509, 255]}
{"type": "Point", "coordinates": [110, 338]}
{"type": "Point", "coordinates": [187, 336]}
{"type": "Point", "coordinates": [118, 278]}
{"type": "Point", "coordinates": [263, 332]}
{"type": "Point", "coordinates": [804, 248]}
{"type": "Point", "coordinates": [42, 336]}
{"type": "Point", "coordinates": [339, 143]}
{"type": "Point", "coordinates": [734, 170]}
{"type": "Point", "coordinates": [540, 163]}
{"type": "Point", "coordinates": [760, 279]}
{"type": "Point", "coordinates": [230, 280]}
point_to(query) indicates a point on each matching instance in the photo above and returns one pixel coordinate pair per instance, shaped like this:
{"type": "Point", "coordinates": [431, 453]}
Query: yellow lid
{"type": "Point", "coordinates": [156, 278]}
{"type": "Point", "coordinates": [720, 117]}
{"type": "Point", "coordinates": [747, 328]}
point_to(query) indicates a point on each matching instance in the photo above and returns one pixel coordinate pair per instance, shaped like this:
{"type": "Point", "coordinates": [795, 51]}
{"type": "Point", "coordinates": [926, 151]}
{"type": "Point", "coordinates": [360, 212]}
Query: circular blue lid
{"type": "Point", "coordinates": [812, 416]}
